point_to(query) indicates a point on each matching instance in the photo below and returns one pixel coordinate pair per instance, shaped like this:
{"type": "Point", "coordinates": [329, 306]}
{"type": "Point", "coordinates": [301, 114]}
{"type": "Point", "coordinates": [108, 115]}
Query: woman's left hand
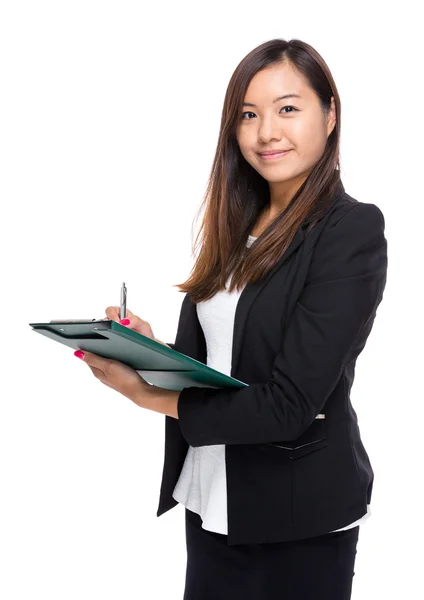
{"type": "Point", "coordinates": [118, 376]}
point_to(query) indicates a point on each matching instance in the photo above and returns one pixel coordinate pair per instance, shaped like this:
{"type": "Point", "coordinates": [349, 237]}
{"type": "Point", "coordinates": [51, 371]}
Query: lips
{"type": "Point", "coordinates": [271, 152]}
{"type": "Point", "coordinates": [273, 156]}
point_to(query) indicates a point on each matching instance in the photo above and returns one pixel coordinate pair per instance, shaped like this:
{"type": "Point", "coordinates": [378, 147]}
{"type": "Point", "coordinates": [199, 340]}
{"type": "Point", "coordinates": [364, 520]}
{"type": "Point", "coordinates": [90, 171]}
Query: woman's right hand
{"type": "Point", "coordinates": [137, 324]}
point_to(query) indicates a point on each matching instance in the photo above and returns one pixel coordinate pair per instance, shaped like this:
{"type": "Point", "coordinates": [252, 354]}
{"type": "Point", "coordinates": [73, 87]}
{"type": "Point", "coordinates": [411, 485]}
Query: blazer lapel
{"type": "Point", "coordinates": [250, 292]}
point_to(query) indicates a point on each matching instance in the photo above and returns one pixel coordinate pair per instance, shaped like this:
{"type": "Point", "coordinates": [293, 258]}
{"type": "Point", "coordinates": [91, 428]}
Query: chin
{"type": "Point", "coordinates": [276, 176]}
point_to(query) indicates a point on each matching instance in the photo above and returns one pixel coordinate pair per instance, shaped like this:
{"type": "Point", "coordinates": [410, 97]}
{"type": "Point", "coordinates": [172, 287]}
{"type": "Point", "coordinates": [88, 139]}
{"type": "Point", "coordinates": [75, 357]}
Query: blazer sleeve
{"type": "Point", "coordinates": [345, 284]}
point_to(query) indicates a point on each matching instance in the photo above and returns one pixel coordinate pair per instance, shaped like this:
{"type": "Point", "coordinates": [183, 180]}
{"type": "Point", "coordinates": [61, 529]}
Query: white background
{"type": "Point", "coordinates": [109, 121]}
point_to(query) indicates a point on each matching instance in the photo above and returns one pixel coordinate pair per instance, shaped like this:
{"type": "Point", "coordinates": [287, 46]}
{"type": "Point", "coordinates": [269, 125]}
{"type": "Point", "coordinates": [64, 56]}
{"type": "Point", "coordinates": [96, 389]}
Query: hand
{"type": "Point", "coordinates": [133, 322]}
{"type": "Point", "coordinates": [137, 324]}
{"type": "Point", "coordinates": [118, 376]}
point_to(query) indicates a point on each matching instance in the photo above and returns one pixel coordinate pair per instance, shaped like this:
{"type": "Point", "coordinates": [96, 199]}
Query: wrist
{"type": "Point", "coordinates": [160, 400]}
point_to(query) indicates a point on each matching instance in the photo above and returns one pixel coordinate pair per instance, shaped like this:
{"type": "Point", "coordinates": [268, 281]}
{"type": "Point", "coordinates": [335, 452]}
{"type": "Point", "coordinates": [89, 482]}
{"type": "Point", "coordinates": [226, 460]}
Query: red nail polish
{"type": "Point", "coordinates": [79, 354]}
{"type": "Point", "coordinates": [125, 321]}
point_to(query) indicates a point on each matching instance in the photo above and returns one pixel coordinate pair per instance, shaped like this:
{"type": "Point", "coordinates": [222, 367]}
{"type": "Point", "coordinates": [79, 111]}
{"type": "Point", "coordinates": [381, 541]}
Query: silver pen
{"type": "Point", "coordinates": [123, 306]}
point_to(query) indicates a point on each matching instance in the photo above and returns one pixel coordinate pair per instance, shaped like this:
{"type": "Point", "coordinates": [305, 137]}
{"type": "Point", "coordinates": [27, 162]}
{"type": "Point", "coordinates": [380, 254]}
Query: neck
{"type": "Point", "coordinates": [281, 193]}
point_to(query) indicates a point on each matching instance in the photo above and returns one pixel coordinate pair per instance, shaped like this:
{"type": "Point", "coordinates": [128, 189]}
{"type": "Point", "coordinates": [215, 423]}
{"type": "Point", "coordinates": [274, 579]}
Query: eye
{"type": "Point", "coordinates": [252, 113]}
{"type": "Point", "coordinates": [289, 107]}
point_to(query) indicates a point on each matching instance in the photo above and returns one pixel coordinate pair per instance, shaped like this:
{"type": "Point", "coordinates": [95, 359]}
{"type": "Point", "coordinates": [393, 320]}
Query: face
{"type": "Point", "coordinates": [296, 124]}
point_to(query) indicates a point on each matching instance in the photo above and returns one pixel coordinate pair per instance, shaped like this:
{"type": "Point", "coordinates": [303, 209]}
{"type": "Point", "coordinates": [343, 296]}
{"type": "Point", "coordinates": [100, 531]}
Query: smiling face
{"type": "Point", "coordinates": [297, 124]}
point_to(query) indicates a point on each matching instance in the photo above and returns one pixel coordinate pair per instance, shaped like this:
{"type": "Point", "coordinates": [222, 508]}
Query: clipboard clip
{"type": "Point", "coordinates": [73, 320]}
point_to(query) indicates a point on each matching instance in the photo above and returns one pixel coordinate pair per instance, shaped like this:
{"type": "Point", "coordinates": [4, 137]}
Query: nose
{"type": "Point", "coordinates": [269, 129]}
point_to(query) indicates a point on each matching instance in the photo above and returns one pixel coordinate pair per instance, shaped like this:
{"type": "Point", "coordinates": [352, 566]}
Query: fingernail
{"type": "Point", "coordinates": [79, 354]}
{"type": "Point", "coordinates": [125, 321]}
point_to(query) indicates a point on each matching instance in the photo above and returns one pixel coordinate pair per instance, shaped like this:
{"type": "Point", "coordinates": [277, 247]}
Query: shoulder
{"type": "Point", "coordinates": [352, 237]}
{"type": "Point", "coordinates": [351, 215]}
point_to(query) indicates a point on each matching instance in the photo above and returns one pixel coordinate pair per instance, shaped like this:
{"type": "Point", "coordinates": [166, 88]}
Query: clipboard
{"type": "Point", "coordinates": [158, 364]}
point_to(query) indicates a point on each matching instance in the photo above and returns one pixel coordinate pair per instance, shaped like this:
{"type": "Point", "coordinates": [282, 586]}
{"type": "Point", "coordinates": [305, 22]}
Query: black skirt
{"type": "Point", "coordinates": [317, 568]}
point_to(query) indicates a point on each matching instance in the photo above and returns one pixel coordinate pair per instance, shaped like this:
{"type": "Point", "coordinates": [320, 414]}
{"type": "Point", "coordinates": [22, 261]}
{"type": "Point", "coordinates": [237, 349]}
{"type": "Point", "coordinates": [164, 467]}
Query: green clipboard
{"type": "Point", "coordinates": [158, 364]}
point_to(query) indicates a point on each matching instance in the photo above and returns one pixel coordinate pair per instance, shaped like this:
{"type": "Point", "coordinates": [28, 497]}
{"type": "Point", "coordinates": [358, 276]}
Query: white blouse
{"type": "Point", "coordinates": [202, 485]}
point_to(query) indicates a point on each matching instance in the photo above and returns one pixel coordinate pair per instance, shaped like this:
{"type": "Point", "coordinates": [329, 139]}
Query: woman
{"type": "Point", "coordinates": [274, 477]}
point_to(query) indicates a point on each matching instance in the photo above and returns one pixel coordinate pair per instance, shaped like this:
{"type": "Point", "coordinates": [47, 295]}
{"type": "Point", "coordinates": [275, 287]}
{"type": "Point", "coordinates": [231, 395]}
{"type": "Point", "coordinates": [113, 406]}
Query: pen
{"type": "Point", "coordinates": [123, 307]}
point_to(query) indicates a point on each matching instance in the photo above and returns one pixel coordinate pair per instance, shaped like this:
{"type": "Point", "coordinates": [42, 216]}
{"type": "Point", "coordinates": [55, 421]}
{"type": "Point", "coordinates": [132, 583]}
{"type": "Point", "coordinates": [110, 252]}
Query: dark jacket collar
{"type": "Point", "coordinates": [337, 193]}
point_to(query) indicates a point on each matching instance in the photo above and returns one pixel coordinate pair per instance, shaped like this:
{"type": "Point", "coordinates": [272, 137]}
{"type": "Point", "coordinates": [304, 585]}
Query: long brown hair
{"type": "Point", "coordinates": [236, 193]}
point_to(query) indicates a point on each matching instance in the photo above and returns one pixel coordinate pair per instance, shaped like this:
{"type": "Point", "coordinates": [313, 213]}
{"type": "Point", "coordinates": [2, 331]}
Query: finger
{"type": "Point", "coordinates": [113, 313]}
{"type": "Point", "coordinates": [97, 362]}
{"type": "Point", "coordinates": [138, 324]}
{"type": "Point", "coordinates": [98, 373]}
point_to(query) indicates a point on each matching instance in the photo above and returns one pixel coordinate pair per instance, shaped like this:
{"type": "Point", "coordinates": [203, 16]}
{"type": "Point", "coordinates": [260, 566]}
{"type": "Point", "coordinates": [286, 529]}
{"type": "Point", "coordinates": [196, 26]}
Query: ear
{"type": "Point", "coordinates": [331, 117]}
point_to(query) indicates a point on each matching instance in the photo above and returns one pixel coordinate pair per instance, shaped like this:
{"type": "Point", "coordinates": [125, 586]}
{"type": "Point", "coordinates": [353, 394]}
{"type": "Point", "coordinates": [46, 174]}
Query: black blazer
{"type": "Point", "coordinates": [295, 463]}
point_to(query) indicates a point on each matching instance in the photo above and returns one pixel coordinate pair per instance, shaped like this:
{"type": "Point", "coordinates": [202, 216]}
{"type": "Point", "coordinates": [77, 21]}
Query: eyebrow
{"type": "Point", "coordinates": [276, 100]}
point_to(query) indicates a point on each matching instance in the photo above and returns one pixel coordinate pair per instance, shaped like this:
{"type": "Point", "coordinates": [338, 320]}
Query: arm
{"type": "Point", "coordinates": [344, 287]}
